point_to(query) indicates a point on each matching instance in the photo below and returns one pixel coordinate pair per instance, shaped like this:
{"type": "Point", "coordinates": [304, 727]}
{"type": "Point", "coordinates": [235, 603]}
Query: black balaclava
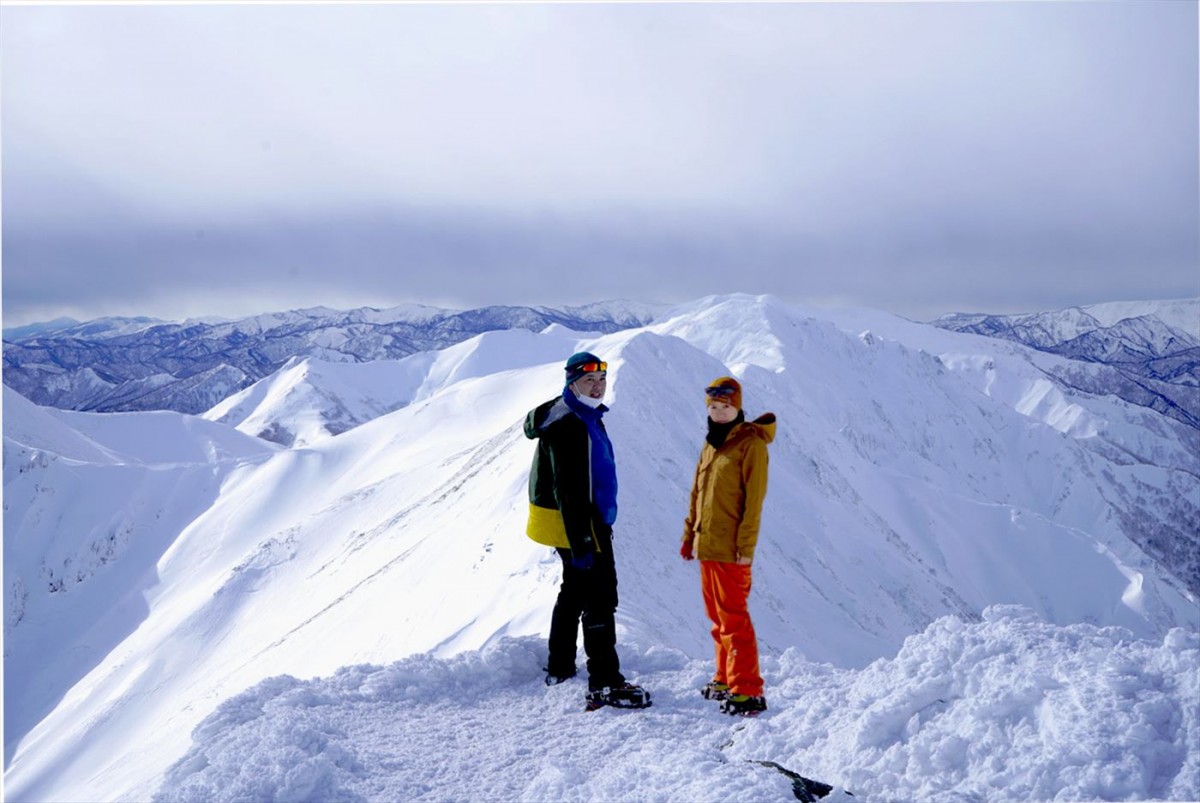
{"type": "Point", "coordinates": [717, 433]}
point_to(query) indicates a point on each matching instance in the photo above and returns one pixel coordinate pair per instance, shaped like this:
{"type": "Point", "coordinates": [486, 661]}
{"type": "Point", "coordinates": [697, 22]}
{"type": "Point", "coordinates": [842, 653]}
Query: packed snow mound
{"type": "Point", "coordinates": [1010, 708]}
{"type": "Point", "coordinates": [1007, 708]}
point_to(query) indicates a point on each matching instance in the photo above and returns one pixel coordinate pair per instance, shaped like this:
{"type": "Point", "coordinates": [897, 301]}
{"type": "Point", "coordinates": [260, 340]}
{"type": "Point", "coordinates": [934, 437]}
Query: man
{"type": "Point", "coordinates": [572, 507]}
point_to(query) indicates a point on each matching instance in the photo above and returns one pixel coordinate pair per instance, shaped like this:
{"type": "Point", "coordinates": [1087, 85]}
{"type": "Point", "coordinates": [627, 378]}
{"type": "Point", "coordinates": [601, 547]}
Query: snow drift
{"type": "Point", "coordinates": [1007, 708]}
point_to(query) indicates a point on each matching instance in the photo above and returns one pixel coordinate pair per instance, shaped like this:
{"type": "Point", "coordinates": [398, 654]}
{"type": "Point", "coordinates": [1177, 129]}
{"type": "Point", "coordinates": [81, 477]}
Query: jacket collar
{"type": "Point", "coordinates": [581, 409]}
{"type": "Point", "coordinates": [763, 427]}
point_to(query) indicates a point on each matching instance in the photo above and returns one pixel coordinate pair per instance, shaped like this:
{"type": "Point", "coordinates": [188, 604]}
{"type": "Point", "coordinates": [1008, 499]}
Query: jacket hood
{"type": "Point", "coordinates": [542, 416]}
{"type": "Point", "coordinates": [531, 424]}
{"type": "Point", "coordinates": [547, 414]}
{"type": "Point", "coordinates": [763, 426]}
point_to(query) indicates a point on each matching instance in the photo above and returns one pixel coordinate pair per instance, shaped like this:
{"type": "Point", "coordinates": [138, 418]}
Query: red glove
{"type": "Point", "coordinates": [685, 550]}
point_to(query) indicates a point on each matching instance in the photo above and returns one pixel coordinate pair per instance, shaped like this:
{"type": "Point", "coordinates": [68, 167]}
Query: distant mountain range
{"type": "Point", "coordinates": [130, 364]}
{"type": "Point", "coordinates": [1152, 347]}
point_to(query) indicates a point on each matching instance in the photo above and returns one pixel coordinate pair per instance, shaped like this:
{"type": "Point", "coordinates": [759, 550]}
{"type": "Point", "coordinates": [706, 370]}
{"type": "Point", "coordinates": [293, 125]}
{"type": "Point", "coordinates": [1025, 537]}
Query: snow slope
{"type": "Point", "coordinates": [917, 474]}
{"type": "Point", "coordinates": [90, 503]}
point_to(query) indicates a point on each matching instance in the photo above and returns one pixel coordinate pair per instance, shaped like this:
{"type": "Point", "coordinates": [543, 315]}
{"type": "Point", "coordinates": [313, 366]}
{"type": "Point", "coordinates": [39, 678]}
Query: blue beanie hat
{"type": "Point", "coordinates": [578, 361]}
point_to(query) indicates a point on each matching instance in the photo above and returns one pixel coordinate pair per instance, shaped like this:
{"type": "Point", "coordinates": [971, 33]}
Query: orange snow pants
{"type": "Point", "coordinates": [726, 588]}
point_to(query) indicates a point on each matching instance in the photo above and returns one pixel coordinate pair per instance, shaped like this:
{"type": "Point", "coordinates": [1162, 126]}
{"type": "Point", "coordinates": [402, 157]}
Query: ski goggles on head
{"type": "Point", "coordinates": [590, 367]}
{"type": "Point", "coordinates": [721, 392]}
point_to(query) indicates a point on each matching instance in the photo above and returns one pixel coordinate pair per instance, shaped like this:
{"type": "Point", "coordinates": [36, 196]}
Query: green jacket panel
{"type": "Point", "coordinates": [560, 479]}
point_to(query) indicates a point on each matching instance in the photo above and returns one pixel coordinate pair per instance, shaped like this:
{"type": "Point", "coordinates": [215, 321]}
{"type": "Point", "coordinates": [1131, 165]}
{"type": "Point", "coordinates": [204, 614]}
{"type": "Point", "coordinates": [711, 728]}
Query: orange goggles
{"type": "Point", "coordinates": [590, 367]}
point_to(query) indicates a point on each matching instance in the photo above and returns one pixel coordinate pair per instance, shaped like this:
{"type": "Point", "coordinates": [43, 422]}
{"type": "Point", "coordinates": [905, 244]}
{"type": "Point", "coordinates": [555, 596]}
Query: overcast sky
{"type": "Point", "coordinates": [921, 157]}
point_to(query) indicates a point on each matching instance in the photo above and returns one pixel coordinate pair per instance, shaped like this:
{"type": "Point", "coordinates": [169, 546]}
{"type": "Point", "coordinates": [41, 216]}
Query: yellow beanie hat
{"type": "Point", "coordinates": [725, 389]}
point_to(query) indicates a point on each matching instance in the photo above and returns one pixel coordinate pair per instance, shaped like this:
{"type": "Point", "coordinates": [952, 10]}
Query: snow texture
{"type": "Point", "coordinates": [1008, 708]}
{"type": "Point", "coordinates": [157, 565]}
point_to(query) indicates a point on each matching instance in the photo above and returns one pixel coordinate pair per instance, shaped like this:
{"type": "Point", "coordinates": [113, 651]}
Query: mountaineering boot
{"type": "Point", "coordinates": [553, 678]}
{"type": "Point", "coordinates": [743, 705]}
{"type": "Point", "coordinates": [623, 695]}
{"type": "Point", "coordinates": [715, 690]}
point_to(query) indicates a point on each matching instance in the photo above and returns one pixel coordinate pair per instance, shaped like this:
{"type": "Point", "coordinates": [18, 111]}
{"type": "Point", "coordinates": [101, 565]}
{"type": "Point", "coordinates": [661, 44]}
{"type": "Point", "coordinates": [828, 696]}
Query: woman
{"type": "Point", "coordinates": [721, 529]}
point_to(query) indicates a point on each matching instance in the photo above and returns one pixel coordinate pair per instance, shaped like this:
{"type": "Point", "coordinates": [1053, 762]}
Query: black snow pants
{"type": "Point", "coordinates": [590, 596]}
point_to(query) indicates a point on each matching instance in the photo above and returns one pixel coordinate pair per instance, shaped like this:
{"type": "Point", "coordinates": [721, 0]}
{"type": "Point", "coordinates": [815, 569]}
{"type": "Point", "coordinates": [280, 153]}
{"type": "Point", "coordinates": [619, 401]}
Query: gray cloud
{"type": "Point", "coordinates": [180, 160]}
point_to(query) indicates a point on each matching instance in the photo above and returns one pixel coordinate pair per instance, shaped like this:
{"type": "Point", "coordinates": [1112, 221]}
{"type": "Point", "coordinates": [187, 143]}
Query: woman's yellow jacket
{"type": "Point", "coordinates": [725, 509]}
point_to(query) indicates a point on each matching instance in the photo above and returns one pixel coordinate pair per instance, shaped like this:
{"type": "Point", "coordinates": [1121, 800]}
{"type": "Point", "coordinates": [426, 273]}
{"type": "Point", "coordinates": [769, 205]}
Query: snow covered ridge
{"type": "Point", "coordinates": [917, 474]}
{"type": "Point", "coordinates": [121, 364]}
{"type": "Point", "coordinates": [308, 400]}
{"type": "Point", "coordinates": [1153, 347]}
{"type": "Point", "coordinates": [1009, 708]}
